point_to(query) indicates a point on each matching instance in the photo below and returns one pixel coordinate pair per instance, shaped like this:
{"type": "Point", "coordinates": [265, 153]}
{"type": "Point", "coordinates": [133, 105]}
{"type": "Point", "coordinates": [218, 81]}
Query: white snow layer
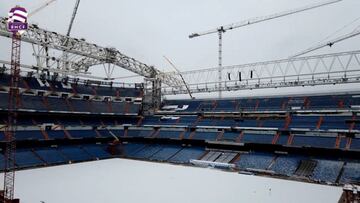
{"type": "Point", "coordinates": [130, 181]}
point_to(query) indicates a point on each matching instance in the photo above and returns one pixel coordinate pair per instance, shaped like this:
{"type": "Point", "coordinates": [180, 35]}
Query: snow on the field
{"type": "Point", "coordinates": [130, 181]}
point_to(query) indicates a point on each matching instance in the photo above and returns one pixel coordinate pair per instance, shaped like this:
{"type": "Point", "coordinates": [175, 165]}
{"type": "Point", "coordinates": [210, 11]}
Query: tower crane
{"type": "Point", "coordinates": [17, 16]}
{"type": "Point", "coordinates": [222, 29]}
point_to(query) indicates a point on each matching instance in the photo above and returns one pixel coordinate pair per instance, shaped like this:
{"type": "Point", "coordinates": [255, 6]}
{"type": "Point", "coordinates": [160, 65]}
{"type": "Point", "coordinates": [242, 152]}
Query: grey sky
{"type": "Point", "coordinates": [147, 30]}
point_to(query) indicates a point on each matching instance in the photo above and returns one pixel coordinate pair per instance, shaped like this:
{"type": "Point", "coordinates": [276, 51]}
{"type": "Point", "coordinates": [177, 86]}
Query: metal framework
{"type": "Point", "coordinates": [335, 68]}
{"type": "Point", "coordinates": [81, 55]}
{"type": "Point", "coordinates": [222, 29]}
{"type": "Point", "coordinates": [9, 173]}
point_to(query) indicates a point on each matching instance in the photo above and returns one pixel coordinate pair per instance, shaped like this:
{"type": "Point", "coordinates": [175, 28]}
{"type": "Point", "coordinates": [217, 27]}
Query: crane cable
{"type": "Point", "coordinates": [337, 31]}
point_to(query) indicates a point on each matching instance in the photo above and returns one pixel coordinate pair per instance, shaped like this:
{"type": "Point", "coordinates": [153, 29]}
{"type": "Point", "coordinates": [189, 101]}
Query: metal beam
{"type": "Point", "coordinates": [335, 68]}
{"type": "Point", "coordinates": [80, 47]}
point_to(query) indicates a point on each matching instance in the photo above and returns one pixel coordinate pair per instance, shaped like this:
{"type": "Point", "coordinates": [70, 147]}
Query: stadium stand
{"type": "Point", "coordinates": [312, 137]}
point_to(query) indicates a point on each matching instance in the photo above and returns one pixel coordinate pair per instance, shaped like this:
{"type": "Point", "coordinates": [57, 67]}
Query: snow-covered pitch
{"type": "Point", "coordinates": [130, 181]}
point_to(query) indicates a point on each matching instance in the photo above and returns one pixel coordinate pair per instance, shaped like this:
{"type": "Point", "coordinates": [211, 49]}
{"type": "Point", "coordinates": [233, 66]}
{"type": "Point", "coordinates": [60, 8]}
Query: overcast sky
{"type": "Point", "coordinates": [147, 30]}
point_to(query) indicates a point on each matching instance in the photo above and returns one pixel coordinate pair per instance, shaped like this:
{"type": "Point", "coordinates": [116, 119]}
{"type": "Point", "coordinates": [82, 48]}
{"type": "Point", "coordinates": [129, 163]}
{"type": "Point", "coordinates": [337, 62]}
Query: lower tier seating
{"type": "Point", "coordinates": [289, 165]}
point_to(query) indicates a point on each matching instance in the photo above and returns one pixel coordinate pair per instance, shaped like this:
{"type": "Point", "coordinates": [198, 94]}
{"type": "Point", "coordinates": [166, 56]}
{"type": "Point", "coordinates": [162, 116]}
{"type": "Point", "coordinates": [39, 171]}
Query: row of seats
{"type": "Point", "coordinates": [310, 122]}
{"type": "Point", "coordinates": [295, 140]}
{"type": "Point", "coordinates": [169, 153]}
{"type": "Point", "coordinates": [44, 156]}
{"type": "Point", "coordinates": [265, 104]}
{"type": "Point", "coordinates": [57, 86]}
{"type": "Point", "coordinates": [30, 120]}
{"type": "Point", "coordinates": [325, 170]}
{"type": "Point", "coordinates": [45, 104]}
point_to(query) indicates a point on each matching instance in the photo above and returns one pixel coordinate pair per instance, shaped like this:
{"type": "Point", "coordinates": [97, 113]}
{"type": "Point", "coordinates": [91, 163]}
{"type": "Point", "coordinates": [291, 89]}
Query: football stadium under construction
{"type": "Point", "coordinates": [56, 113]}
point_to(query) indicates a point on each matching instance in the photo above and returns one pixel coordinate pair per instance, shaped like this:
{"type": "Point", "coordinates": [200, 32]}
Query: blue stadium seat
{"type": "Point", "coordinates": [273, 123]}
{"type": "Point", "coordinates": [130, 149]}
{"type": "Point", "coordinates": [351, 173]}
{"type": "Point", "coordinates": [99, 107]}
{"type": "Point", "coordinates": [97, 151]}
{"type": "Point", "coordinates": [247, 123]}
{"type": "Point", "coordinates": [257, 138]}
{"type": "Point", "coordinates": [335, 122]}
{"type": "Point", "coordinates": [32, 103]}
{"type": "Point", "coordinates": [314, 141]}
{"type": "Point", "coordinates": [307, 122]}
{"type": "Point", "coordinates": [83, 133]}
{"type": "Point", "coordinates": [118, 107]}
{"type": "Point", "coordinates": [56, 134]}
{"type": "Point", "coordinates": [327, 171]}
{"type": "Point", "coordinates": [139, 133]}
{"type": "Point", "coordinates": [355, 144]}
{"type": "Point", "coordinates": [29, 135]}
{"type": "Point", "coordinates": [57, 104]}
{"type": "Point", "coordinates": [230, 136]}
{"type": "Point", "coordinates": [286, 165]}
{"type": "Point", "coordinates": [51, 155]}
{"type": "Point", "coordinates": [106, 133]}
{"type": "Point", "coordinates": [169, 134]}
{"type": "Point", "coordinates": [4, 100]}
{"type": "Point", "coordinates": [254, 161]}
{"type": "Point", "coordinates": [75, 153]}
{"type": "Point", "coordinates": [186, 154]}
{"type": "Point", "coordinates": [282, 140]}
{"type": "Point", "coordinates": [165, 153]}
{"type": "Point", "coordinates": [26, 158]}
{"type": "Point", "coordinates": [80, 105]}
{"type": "Point", "coordinates": [205, 135]}
{"type": "Point", "coordinates": [146, 152]}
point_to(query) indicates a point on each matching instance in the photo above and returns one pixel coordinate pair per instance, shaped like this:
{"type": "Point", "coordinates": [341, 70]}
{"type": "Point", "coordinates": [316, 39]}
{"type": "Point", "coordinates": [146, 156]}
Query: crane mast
{"type": "Point", "coordinates": [222, 29]}
{"type": "Point", "coordinates": [16, 24]}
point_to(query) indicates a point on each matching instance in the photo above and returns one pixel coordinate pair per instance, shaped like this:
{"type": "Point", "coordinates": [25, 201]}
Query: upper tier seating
{"type": "Point", "coordinates": [314, 141]}
{"type": "Point", "coordinates": [264, 104]}
{"type": "Point", "coordinates": [45, 104]}
{"type": "Point", "coordinates": [321, 122]}
{"type": "Point", "coordinates": [57, 86]}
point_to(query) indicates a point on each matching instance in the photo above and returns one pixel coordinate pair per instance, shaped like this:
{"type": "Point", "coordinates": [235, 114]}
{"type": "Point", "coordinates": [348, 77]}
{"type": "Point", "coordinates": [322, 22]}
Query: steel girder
{"type": "Point", "coordinates": [91, 54]}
